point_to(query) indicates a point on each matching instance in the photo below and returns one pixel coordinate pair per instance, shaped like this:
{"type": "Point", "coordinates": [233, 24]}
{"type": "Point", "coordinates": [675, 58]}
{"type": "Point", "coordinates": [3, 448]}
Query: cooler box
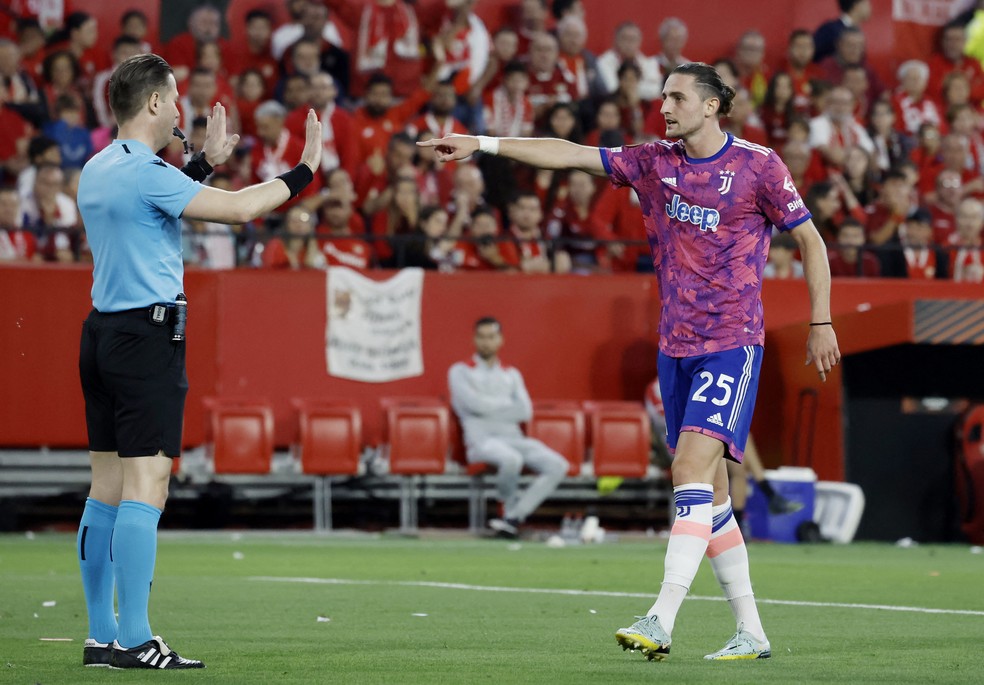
{"type": "Point", "coordinates": [792, 482]}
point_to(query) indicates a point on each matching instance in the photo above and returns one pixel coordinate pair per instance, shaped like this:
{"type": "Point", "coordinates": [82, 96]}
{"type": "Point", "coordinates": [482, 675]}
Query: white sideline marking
{"type": "Point", "coordinates": [603, 593]}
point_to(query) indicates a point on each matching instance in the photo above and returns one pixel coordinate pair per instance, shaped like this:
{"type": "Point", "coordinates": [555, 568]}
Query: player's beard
{"type": "Point", "coordinates": [682, 132]}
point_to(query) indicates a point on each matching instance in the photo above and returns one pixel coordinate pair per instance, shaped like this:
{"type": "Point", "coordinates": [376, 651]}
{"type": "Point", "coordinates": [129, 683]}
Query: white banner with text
{"type": "Point", "coordinates": [373, 332]}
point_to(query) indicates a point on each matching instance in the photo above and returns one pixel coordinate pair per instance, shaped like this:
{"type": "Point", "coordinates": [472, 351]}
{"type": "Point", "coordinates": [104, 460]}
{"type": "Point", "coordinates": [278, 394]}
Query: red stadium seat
{"type": "Point", "coordinates": [477, 500]}
{"type": "Point", "coordinates": [329, 443]}
{"type": "Point", "coordinates": [240, 434]}
{"type": "Point", "coordinates": [560, 426]}
{"type": "Point", "coordinates": [592, 406]}
{"type": "Point", "coordinates": [330, 436]}
{"type": "Point", "coordinates": [620, 439]}
{"type": "Point", "coordinates": [417, 434]}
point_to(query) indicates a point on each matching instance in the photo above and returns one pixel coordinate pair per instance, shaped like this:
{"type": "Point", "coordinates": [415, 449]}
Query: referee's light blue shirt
{"type": "Point", "coordinates": [131, 203]}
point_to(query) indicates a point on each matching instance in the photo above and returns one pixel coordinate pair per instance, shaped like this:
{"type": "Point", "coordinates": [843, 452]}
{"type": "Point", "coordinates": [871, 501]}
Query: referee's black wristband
{"type": "Point", "coordinates": [823, 323]}
{"type": "Point", "coordinates": [197, 169]}
{"type": "Point", "coordinates": [297, 179]}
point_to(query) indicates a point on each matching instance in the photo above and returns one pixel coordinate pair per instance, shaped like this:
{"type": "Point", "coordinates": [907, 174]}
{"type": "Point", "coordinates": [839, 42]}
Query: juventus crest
{"type": "Point", "coordinates": [726, 178]}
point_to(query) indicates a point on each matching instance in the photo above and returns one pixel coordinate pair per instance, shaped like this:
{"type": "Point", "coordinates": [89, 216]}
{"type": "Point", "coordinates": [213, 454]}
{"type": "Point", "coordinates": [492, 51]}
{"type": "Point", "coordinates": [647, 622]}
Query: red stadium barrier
{"type": "Point", "coordinates": [262, 334]}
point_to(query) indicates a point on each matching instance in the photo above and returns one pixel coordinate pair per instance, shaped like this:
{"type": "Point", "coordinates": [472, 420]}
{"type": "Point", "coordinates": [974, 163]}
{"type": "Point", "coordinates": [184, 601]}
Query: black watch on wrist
{"type": "Point", "coordinates": [199, 159]}
{"type": "Point", "coordinates": [197, 168]}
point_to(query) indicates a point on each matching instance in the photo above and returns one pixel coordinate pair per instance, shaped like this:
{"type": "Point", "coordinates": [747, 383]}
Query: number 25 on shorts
{"type": "Point", "coordinates": [724, 381]}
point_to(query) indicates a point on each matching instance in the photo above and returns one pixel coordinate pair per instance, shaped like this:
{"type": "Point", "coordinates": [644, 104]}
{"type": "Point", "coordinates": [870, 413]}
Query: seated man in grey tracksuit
{"type": "Point", "coordinates": [491, 402]}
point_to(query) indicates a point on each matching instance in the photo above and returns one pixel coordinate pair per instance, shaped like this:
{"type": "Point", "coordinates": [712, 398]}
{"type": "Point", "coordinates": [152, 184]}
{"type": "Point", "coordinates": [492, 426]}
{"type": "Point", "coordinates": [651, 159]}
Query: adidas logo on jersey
{"type": "Point", "coordinates": [670, 181]}
{"type": "Point", "coordinates": [716, 419]}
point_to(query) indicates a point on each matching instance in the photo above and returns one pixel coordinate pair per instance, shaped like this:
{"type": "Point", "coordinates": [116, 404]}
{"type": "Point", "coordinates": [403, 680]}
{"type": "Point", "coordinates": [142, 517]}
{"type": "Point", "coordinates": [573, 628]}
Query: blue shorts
{"type": "Point", "coordinates": [712, 394]}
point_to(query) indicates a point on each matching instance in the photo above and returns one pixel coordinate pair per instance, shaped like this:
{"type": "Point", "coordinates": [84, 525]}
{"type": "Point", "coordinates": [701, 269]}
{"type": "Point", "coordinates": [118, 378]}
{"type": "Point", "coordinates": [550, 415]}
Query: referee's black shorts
{"type": "Point", "coordinates": [134, 383]}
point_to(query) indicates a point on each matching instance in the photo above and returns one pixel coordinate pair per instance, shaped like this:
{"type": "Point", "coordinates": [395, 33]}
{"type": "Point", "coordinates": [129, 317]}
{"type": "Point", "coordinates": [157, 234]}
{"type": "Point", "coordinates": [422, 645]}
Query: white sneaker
{"type": "Point", "coordinates": [646, 635]}
{"type": "Point", "coordinates": [508, 528]}
{"type": "Point", "coordinates": [742, 646]}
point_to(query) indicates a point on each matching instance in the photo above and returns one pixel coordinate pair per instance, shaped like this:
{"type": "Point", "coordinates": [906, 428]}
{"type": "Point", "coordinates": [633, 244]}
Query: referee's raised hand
{"type": "Point", "coordinates": [218, 146]}
{"type": "Point", "coordinates": [314, 142]}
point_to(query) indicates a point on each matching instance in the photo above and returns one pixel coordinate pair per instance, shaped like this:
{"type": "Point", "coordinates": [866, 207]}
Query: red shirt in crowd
{"type": "Point", "coordinates": [530, 247]}
{"type": "Point", "coordinates": [14, 128]}
{"type": "Point", "coordinates": [547, 88]}
{"type": "Point", "coordinates": [17, 244]}
{"type": "Point", "coordinates": [940, 66]}
{"type": "Point", "coordinates": [870, 268]}
{"type": "Point", "coordinates": [802, 90]}
{"type": "Point", "coordinates": [437, 129]}
{"type": "Point", "coordinates": [239, 58]}
{"type": "Point", "coordinates": [911, 114]}
{"type": "Point", "coordinates": [373, 133]}
{"type": "Point", "coordinates": [944, 223]}
{"type": "Point", "coordinates": [617, 213]}
{"type": "Point", "coordinates": [354, 253]}
{"type": "Point", "coordinates": [920, 264]}
{"type": "Point", "coordinates": [472, 259]}
{"type": "Point", "coordinates": [182, 51]}
{"type": "Point", "coordinates": [568, 224]}
{"type": "Point", "coordinates": [966, 262]}
{"type": "Point", "coordinates": [269, 161]}
{"type": "Point", "coordinates": [387, 39]}
{"type": "Point", "coordinates": [341, 148]}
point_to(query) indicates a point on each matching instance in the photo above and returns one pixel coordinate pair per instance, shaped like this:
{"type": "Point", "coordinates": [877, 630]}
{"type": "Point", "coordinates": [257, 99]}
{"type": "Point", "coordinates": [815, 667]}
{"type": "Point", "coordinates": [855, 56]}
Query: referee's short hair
{"type": "Point", "coordinates": [133, 82]}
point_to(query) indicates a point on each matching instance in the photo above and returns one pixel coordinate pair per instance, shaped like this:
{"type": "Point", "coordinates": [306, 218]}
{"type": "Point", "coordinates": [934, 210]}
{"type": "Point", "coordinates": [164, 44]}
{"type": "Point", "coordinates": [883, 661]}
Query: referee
{"type": "Point", "coordinates": [132, 353]}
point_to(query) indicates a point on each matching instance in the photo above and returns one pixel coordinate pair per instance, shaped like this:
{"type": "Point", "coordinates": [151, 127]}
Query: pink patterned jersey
{"type": "Point", "coordinates": [709, 224]}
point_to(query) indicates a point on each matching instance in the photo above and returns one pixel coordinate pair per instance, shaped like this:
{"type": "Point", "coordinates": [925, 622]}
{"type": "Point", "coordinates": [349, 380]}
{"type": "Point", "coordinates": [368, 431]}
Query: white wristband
{"type": "Point", "coordinates": [488, 144]}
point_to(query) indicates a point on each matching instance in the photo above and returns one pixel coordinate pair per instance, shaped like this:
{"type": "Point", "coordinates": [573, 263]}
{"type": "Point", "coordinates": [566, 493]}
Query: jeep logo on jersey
{"type": "Point", "coordinates": [704, 217]}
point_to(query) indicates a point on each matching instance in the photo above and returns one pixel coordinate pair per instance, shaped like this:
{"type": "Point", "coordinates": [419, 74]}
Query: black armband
{"type": "Point", "coordinates": [197, 169]}
{"type": "Point", "coordinates": [297, 179]}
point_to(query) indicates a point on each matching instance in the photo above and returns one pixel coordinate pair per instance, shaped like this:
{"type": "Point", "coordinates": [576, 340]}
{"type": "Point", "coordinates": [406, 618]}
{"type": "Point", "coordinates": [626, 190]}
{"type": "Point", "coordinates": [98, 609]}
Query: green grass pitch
{"type": "Point", "coordinates": [439, 610]}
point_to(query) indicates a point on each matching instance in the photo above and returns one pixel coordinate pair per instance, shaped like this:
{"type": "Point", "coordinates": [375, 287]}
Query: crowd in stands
{"type": "Point", "coordinates": [892, 172]}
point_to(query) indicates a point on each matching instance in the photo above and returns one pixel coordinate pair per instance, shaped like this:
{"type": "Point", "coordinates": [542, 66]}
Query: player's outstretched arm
{"type": "Point", "coordinates": [545, 153]}
{"type": "Point", "coordinates": [821, 345]}
{"type": "Point", "coordinates": [220, 206]}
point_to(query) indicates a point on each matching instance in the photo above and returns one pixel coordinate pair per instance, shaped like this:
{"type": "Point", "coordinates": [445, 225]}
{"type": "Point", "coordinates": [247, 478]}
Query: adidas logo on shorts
{"type": "Point", "coordinates": [716, 419]}
{"type": "Point", "coordinates": [670, 181]}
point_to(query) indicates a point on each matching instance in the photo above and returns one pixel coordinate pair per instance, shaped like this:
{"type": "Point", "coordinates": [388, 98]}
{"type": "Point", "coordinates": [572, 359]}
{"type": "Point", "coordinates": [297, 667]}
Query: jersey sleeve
{"type": "Point", "coordinates": [165, 187]}
{"type": "Point", "coordinates": [627, 165]}
{"type": "Point", "coordinates": [778, 197]}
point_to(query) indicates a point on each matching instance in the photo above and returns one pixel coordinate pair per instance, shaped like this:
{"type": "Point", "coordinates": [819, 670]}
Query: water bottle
{"type": "Point", "coordinates": [180, 317]}
{"type": "Point", "coordinates": [577, 523]}
{"type": "Point", "coordinates": [566, 530]}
